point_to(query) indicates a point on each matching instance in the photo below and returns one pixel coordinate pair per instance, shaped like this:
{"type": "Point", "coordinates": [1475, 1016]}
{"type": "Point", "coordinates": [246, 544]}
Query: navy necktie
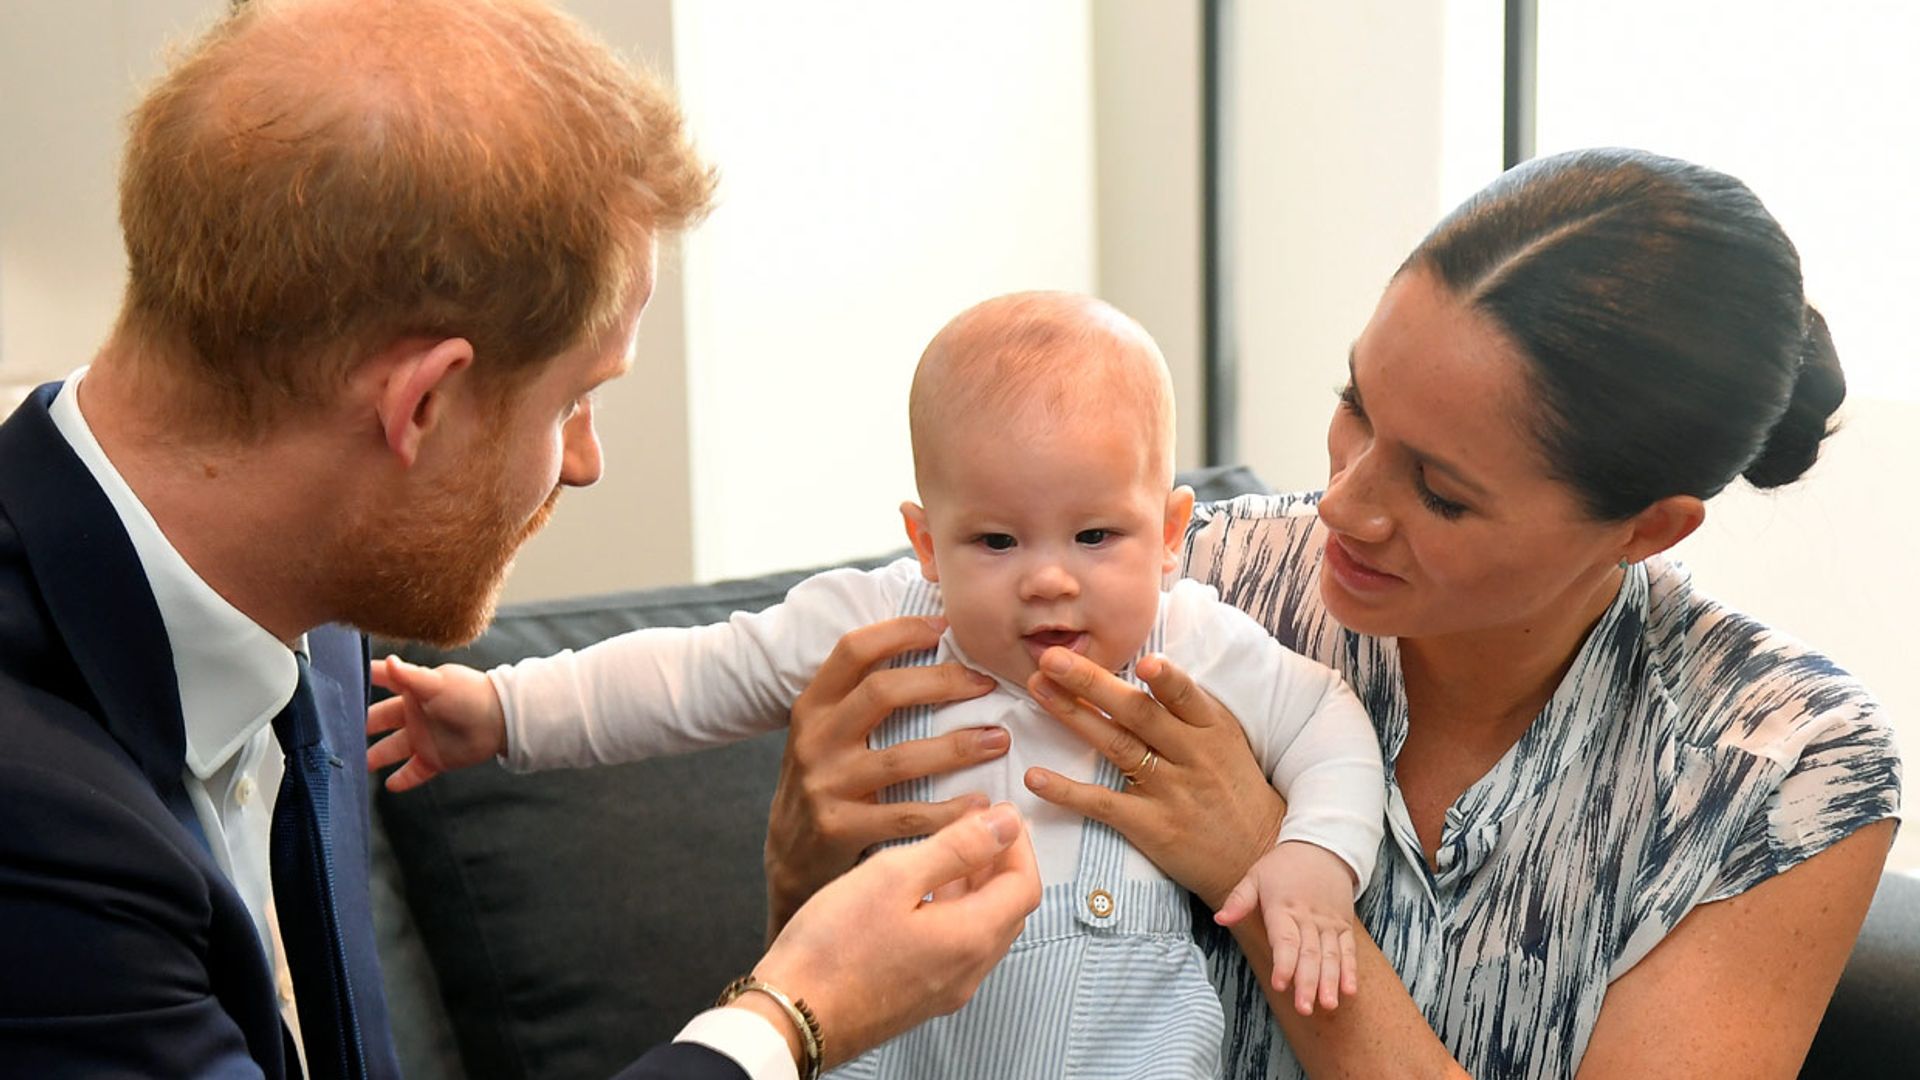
{"type": "Point", "coordinates": [303, 893]}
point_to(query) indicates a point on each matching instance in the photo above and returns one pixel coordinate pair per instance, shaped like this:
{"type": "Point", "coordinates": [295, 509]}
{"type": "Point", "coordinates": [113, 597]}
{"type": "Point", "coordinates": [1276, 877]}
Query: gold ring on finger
{"type": "Point", "coordinates": [1148, 762]}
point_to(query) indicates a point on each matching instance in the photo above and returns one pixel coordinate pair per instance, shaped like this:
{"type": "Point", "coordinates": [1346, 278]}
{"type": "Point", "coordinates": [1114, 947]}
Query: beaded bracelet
{"type": "Point", "coordinates": [813, 1043]}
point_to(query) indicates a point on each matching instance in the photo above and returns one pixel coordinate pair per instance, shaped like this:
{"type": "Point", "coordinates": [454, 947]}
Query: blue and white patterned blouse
{"type": "Point", "coordinates": [1689, 754]}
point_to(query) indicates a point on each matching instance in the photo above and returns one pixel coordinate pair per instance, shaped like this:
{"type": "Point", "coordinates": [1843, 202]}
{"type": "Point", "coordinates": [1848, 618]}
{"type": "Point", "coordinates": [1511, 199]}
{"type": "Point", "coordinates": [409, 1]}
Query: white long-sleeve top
{"type": "Point", "coordinates": [673, 689]}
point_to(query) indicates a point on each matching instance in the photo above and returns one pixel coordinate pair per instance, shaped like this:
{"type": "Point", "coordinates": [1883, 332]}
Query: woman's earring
{"type": "Point", "coordinates": [1623, 564]}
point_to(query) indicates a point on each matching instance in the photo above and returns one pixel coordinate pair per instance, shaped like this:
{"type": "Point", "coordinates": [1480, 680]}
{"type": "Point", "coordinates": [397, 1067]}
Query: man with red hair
{"type": "Point", "coordinates": [380, 252]}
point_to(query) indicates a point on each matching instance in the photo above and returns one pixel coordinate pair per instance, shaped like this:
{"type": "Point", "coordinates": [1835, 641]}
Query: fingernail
{"type": "Point", "coordinates": [977, 803]}
{"type": "Point", "coordinates": [1036, 780]}
{"type": "Point", "coordinates": [1042, 689]}
{"type": "Point", "coordinates": [937, 623]}
{"type": "Point", "coordinates": [1003, 822]}
{"type": "Point", "coordinates": [1055, 661]}
{"type": "Point", "coordinates": [980, 678]}
{"type": "Point", "coordinates": [994, 738]}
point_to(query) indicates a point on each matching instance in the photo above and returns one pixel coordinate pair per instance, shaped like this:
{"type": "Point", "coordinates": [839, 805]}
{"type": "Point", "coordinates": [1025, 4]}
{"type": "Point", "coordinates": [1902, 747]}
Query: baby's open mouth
{"type": "Point", "coordinates": [1040, 641]}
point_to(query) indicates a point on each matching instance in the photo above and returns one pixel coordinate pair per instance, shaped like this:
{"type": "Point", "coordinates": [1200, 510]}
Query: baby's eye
{"type": "Point", "coordinates": [995, 541]}
{"type": "Point", "coordinates": [1092, 537]}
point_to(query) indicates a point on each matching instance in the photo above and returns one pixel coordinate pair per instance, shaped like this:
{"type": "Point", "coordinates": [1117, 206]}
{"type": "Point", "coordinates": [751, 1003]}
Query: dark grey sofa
{"type": "Point", "coordinates": [556, 925]}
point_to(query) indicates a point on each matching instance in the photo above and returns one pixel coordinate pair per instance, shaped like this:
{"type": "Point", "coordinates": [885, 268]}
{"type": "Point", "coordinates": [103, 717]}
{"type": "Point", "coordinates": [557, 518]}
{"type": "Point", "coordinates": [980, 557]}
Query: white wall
{"type": "Point", "coordinates": [1148, 152]}
{"type": "Point", "coordinates": [69, 71]}
{"type": "Point", "coordinates": [883, 167]}
{"type": "Point", "coordinates": [1337, 135]}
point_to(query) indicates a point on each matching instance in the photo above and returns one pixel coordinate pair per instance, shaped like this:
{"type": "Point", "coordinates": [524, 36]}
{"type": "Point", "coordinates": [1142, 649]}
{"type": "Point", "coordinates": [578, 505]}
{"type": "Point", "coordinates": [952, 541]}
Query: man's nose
{"type": "Point", "coordinates": [580, 461]}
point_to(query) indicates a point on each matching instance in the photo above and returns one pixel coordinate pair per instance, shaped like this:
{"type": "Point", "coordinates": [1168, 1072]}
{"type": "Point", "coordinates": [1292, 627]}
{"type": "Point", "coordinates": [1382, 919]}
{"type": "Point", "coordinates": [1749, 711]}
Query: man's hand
{"type": "Point", "coordinates": [874, 957]}
{"type": "Point", "coordinates": [1305, 897]}
{"type": "Point", "coordinates": [442, 719]}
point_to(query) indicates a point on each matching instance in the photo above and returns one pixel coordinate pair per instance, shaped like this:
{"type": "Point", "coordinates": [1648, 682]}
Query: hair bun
{"type": "Point", "coordinates": [1818, 389]}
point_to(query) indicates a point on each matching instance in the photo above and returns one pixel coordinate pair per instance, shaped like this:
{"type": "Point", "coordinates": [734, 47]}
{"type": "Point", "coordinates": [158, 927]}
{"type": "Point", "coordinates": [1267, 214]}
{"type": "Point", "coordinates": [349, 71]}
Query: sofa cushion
{"type": "Point", "coordinates": [575, 918]}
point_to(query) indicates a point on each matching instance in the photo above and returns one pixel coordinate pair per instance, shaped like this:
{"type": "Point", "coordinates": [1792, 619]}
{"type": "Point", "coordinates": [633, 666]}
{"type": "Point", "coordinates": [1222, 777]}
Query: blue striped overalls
{"type": "Point", "coordinates": [1104, 982]}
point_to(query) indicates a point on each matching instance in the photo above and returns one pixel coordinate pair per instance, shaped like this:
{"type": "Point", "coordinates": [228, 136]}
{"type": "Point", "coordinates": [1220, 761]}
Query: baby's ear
{"type": "Point", "coordinates": [1179, 512]}
{"type": "Point", "coordinates": [921, 537]}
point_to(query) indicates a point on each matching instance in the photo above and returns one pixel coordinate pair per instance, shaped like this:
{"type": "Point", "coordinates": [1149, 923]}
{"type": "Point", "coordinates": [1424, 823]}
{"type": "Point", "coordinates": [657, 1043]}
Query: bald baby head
{"type": "Point", "coordinates": [1040, 358]}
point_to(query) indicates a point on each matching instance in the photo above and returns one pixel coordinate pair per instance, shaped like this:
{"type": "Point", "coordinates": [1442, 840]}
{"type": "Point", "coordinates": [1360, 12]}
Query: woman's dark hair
{"type": "Point", "coordinates": [1672, 346]}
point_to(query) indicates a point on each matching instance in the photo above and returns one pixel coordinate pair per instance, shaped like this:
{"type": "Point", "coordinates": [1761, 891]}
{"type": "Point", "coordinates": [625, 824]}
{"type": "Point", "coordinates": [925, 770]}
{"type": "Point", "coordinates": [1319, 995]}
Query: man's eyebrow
{"type": "Point", "coordinates": [1430, 460]}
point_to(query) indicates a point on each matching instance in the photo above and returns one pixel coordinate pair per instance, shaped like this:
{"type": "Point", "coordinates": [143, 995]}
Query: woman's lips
{"type": "Point", "coordinates": [1355, 575]}
{"type": "Point", "coordinates": [1040, 641]}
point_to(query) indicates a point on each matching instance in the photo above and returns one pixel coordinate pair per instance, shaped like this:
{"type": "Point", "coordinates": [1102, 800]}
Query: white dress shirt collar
{"type": "Point", "coordinates": [234, 675]}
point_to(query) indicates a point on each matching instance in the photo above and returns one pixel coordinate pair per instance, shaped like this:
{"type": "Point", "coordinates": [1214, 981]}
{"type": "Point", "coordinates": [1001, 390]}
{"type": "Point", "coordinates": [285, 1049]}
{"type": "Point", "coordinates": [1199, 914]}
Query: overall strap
{"type": "Point", "coordinates": [916, 722]}
{"type": "Point", "coordinates": [1103, 897]}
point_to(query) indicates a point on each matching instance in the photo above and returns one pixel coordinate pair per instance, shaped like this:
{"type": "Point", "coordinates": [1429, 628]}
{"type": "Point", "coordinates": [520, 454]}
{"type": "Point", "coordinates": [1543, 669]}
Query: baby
{"type": "Point", "coordinates": [1042, 429]}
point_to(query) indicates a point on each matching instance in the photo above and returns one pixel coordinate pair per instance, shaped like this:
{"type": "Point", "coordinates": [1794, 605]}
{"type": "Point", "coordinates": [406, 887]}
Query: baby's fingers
{"type": "Point", "coordinates": [1242, 900]}
{"type": "Point", "coordinates": [1331, 971]}
{"type": "Point", "coordinates": [1349, 964]}
{"type": "Point", "coordinates": [387, 715]}
{"type": "Point", "coordinates": [391, 750]}
{"type": "Point", "coordinates": [1306, 972]}
{"type": "Point", "coordinates": [1284, 933]}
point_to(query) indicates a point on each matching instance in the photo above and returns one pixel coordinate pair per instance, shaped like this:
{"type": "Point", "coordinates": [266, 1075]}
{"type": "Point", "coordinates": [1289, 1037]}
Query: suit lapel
{"type": "Point", "coordinates": [94, 587]}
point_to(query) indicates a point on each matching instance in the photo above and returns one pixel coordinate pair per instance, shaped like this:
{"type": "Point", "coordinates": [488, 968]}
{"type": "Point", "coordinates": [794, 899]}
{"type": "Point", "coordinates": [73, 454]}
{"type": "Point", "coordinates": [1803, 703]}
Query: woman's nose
{"type": "Point", "coordinates": [1351, 505]}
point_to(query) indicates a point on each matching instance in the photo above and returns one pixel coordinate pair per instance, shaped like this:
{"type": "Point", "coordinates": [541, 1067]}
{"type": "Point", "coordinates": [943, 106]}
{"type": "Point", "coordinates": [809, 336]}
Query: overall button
{"type": "Point", "coordinates": [1100, 902]}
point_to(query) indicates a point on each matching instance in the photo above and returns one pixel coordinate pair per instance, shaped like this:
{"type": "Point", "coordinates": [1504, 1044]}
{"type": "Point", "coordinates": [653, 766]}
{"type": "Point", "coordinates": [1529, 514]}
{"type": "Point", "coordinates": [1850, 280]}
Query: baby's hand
{"type": "Point", "coordinates": [1305, 896]}
{"type": "Point", "coordinates": [442, 719]}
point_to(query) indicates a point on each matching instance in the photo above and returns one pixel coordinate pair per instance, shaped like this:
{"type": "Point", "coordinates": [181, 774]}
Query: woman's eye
{"type": "Point", "coordinates": [1092, 537]}
{"type": "Point", "coordinates": [1350, 400]}
{"type": "Point", "coordinates": [995, 541]}
{"type": "Point", "coordinates": [1438, 504]}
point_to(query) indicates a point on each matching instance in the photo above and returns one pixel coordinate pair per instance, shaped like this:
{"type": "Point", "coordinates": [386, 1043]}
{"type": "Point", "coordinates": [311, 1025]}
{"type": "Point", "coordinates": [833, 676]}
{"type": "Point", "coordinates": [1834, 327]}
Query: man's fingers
{"type": "Point", "coordinates": [898, 821]}
{"type": "Point", "coordinates": [393, 749]}
{"type": "Point", "coordinates": [955, 852]}
{"type": "Point", "coordinates": [858, 650]}
{"type": "Point", "coordinates": [928, 757]}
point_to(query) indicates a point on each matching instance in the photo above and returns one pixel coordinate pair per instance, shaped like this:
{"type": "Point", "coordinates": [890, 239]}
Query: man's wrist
{"type": "Point", "coordinates": [790, 1015]}
{"type": "Point", "coordinates": [763, 1006]}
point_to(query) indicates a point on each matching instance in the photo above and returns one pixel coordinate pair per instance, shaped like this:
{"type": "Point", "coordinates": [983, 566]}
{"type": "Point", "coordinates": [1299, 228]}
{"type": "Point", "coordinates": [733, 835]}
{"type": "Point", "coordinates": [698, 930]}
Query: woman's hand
{"type": "Point", "coordinates": [826, 810]}
{"type": "Point", "coordinates": [1200, 808]}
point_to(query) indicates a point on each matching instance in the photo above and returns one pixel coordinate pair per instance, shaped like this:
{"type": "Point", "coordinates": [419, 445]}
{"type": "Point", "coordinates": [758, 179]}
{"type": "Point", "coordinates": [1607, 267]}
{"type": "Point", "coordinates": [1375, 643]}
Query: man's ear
{"type": "Point", "coordinates": [921, 537]}
{"type": "Point", "coordinates": [413, 394]}
{"type": "Point", "coordinates": [1662, 525]}
{"type": "Point", "coordinates": [1179, 512]}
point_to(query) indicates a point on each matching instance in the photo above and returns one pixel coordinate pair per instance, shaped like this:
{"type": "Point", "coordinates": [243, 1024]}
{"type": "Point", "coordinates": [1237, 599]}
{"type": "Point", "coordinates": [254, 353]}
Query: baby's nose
{"type": "Point", "coordinates": [1049, 581]}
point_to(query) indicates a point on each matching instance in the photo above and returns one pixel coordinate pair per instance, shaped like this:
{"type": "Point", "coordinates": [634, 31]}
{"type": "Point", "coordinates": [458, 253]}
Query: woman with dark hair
{"type": "Point", "coordinates": [1630, 831]}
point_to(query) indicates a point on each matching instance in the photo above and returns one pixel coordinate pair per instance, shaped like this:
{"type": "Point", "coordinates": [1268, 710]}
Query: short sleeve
{"type": "Point", "coordinates": [1847, 776]}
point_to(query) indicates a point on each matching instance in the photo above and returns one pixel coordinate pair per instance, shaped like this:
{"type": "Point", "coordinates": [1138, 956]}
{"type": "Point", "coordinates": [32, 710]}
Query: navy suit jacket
{"type": "Point", "coordinates": [124, 950]}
